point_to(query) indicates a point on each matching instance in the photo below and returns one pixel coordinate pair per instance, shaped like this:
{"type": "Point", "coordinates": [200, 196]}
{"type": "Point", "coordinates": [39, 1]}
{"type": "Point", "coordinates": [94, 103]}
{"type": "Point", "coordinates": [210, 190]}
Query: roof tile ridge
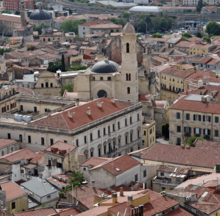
{"type": "Point", "coordinates": [149, 150]}
{"type": "Point", "coordinates": [65, 120]}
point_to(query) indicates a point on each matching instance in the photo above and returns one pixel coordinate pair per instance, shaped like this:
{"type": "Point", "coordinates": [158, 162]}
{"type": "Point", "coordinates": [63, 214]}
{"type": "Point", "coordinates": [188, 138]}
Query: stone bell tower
{"type": "Point", "coordinates": [22, 12]}
{"type": "Point", "coordinates": [129, 65]}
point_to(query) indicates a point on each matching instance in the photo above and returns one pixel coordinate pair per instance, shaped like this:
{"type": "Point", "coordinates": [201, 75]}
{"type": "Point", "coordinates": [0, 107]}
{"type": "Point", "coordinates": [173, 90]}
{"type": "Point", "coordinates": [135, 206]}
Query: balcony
{"type": "Point", "coordinates": [164, 182]}
{"type": "Point", "coordinates": [197, 135]}
{"type": "Point", "coordinates": [187, 134]}
{"type": "Point", "coordinates": [207, 137]}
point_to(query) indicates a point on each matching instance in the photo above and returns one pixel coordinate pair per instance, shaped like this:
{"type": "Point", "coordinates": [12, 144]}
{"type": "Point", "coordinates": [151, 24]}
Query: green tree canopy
{"type": "Point", "coordinates": [142, 16]}
{"type": "Point", "coordinates": [191, 140]}
{"type": "Point", "coordinates": [71, 26]}
{"type": "Point", "coordinates": [206, 38]}
{"type": "Point", "coordinates": [17, 12]}
{"type": "Point", "coordinates": [199, 34]}
{"type": "Point", "coordinates": [6, 11]}
{"type": "Point", "coordinates": [213, 28]}
{"type": "Point", "coordinates": [141, 26]}
{"type": "Point", "coordinates": [114, 20]}
{"type": "Point", "coordinates": [125, 14]}
{"type": "Point", "coordinates": [39, 28]}
{"type": "Point", "coordinates": [199, 6]}
{"type": "Point", "coordinates": [121, 21]}
{"type": "Point", "coordinates": [68, 87]}
{"type": "Point", "coordinates": [30, 48]}
{"type": "Point", "coordinates": [54, 66]}
{"type": "Point", "coordinates": [164, 24]}
{"type": "Point", "coordinates": [78, 67]}
{"type": "Point", "coordinates": [186, 35]}
{"type": "Point", "coordinates": [2, 50]}
{"type": "Point", "coordinates": [156, 35]}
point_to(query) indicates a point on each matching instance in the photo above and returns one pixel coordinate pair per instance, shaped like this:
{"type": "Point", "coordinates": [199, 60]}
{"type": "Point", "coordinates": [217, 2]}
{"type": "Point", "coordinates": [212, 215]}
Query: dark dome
{"type": "Point", "coordinates": [40, 15]}
{"type": "Point", "coordinates": [105, 67]}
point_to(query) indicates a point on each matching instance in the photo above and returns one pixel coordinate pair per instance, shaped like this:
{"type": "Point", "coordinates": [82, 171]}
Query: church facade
{"type": "Point", "coordinates": [107, 79]}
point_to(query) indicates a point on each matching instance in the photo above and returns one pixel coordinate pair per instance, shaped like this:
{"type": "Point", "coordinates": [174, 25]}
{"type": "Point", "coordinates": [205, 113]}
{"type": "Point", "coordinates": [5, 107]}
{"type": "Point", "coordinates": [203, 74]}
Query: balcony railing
{"type": "Point", "coordinates": [188, 134]}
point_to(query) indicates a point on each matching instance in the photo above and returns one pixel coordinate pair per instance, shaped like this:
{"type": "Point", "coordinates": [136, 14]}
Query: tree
{"type": "Point", "coordinates": [199, 6]}
{"type": "Point", "coordinates": [186, 35]}
{"type": "Point", "coordinates": [141, 26]}
{"type": "Point", "coordinates": [125, 15]}
{"type": "Point", "coordinates": [121, 21]}
{"type": "Point", "coordinates": [30, 48]}
{"type": "Point", "coordinates": [165, 130]}
{"type": "Point", "coordinates": [142, 16]}
{"type": "Point", "coordinates": [71, 26]}
{"type": "Point", "coordinates": [68, 87]}
{"type": "Point", "coordinates": [206, 38]}
{"type": "Point", "coordinates": [17, 12]}
{"type": "Point", "coordinates": [78, 67]}
{"type": "Point", "coordinates": [156, 23]}
{"type": "Point", "coordinates": [148, 22]}
{"type": "Point", "coordinates": [213, 28]}
{"type": "Point", "coordinates": [199, 34]}
{"type": "Point", "coordinates": [39, 28]}
{"type": "Point", "coordinates": [164, 24]}
{"type": "Point", "coordinates": [54, 66]}
{"type": "Point", "coordinates": [114, 20]}
{"type": "Point", "coordinates": [63, 65]}
{"type": "Point", "coordinates": [6, 11]}
{"type": "Point", "coordinates": [2, 50]}
{"type": "Point", "coordinates": [191, 140]}
{"type": "Point", "coordinates": [156, 35]}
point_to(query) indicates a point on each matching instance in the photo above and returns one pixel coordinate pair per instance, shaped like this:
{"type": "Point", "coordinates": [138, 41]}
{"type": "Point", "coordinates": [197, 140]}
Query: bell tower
{"type": "Point", "coordinates": [129, 65]}
{"type": "Point", "coordinates": [22, 12]}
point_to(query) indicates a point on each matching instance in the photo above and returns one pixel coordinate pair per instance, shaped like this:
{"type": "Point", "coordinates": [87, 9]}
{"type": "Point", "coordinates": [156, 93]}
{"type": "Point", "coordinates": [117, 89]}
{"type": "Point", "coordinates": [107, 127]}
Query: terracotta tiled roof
{"type": "Point", "coordinates": [193, 39]}
{"type": "Point", "coordinates": [199, 157]}
{"type": "Point", "coordinates": [12, 190]}
{"type": "Point", "coordinates": [160, 59]}
{"type": "Point", "coordinates": [10, 18]}
{"type": "Point", "coordinates": [206, 144]}
{"type": "Point", "coordinates": [3, 213]}
{"type": "Point", "coordinates": [96, 22]}
{"type": "Point", "coordinates": [38, 212]}
{"type": "Point", "coordinates": [199, 74]}
{"type": "Point", "coordinates": [95, 211]}
{"type": "Point", "coordinates": [176, 72]}
{"type": "Point", "coordinates": [39, 157]}
{"type": "Point", "coordinates": [119, 165]}
{"type": "Point", "coordinates": [205, 60]}
{"type": "Point", "coordinates": [179, 211]}
{"type": "Point", "coordinates": [188, 66]}
{"type": "Point", "coordinates": [143, 97]}
{"type": "Point", "coordinates": [117, 189]}
{"type": "Point", "coordinates": [106, 26]}
{"type": "Point", "coordinates": [159, 103]}
{"type": "Point", "coordinates": [157, 39]}
{"type": "Point", "coordinates": [213, 62]}
{"type": "Point", "coordinates": [94, 161]}
{"type": "Point", "coordinates": [25, 90]}
{"type": "Point", "coordinates": [196, 106]}
{"type": "Point", "coordinates": [80, 116]}
{"type": "Point", "coordinates": [186, 44]}
{"type": "Point", "coordinates": [19, 155]}
{"type": "Point", "coordinates": [5, 142]}
{"type": "Point", "coordinates": [58, 147]}
{"type": "Point", "coordinates": [209, 7]}
{"type": "Point", "coordinates": [67, 212]}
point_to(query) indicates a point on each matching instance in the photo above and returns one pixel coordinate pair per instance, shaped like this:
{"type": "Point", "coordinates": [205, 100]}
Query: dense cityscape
{"type": "Point", "coordinates": [110, 108]}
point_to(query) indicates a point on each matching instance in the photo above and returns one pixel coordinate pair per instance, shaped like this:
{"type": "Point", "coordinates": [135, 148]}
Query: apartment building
{"type": "Point", "coordinates": [194, 115]}
{"type": "Point", "coordinates": [195, 2]}
{"type": "Point", "coordinates": [102, 127]}
{"type": "Point", "coordinates": [13, 5]}
{"type": "Point", "coordinates": [172, 83]}
{"type": "Point", "coordinates": [148, 133]}
{"type": "Point", "coordinates": [200, 49]}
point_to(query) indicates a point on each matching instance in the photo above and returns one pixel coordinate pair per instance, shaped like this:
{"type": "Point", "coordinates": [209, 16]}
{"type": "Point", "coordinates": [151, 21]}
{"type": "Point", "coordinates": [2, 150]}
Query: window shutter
{"type": "Point", "coordinates": [194, 118]}
{"type": "Point", "coordinates": [190, 129]}
{"type": "Point", "coordinates": [199, 117]}
{"type": "Point", "coordinates": [204, 131]}
{"type": "Point", "coordinates": [185, 129]}
{"type": "Point", "coordinates": [209, 132]}
{"type": "Point", "coordinates": [177, 115]}
{"type": "Point", "coordinates": [209, 118]}
{"type": "Point", "coordinates": [194, 130]}
{"type": "Point", "coordinates": [200, 130]}
{"type": "Point", "coordinates": [203, 118]}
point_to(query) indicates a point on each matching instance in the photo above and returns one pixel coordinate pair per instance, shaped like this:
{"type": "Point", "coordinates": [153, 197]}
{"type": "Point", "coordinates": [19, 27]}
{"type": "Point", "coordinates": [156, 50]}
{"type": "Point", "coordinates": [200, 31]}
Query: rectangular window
{"type": "Point", "coordinates": [42, 140]}
{"type": "Point", "coordinates": [9, 136]}
{"type": "Point", "coordinates": [104, 149]}
{"type": "Point", "coordinates": [187, 116]}
{"type": "Point", "coordinates": [47, 85]}
{"type": "Point", "coordinates": [90, 136]}
{"type": "Point", "coordinates": [145, 133]}
{"type": "Point", "coordinates": [118, 125]}
{"type": "Point", "coordinates": [109, 129]}
{"type": "Point", "coordinates": [178, 115]}
{"type": "Point", "coordinates": [178, 141]}
{"type": "Point", "coordinates": [136, 177]}
{"type": "Point", "coordinates": [126, 122]}
{"type": "Point", "coordinates": [13, 205]}
{"type": "Point", "coordinates": [216, 119]}
{"type": "Point", "coordinates": [178, 128]}
{"type": "Point", "coordinates": [29, 139]}
{"type": "Point", "coordinates": [85, 141]}
{"type": "Point", "coordinates": [145, 173]}
{"type": "Point", "coordinates": [51, 141]}
{"type": "Point", "coordinates": [20, 138]}
{"type": "Point", "coordinates": [99, 133]}
{"type": "Point", "coordinates": [197, 117]}
{"type": "Point", "coordinates": [42, 85]}
{"type": "Point", "coordinates": [21, 107]}
{"type": "Point", "coordinates": [65, 141]}
{"type": "Point", "coordinates": [48, 197]}
{"type": "Point", "coordinates": [150, 131]}
{"type": "Point", "coordinates": [113, 127]}
{"type": "Point", "coordinates": [35, 109]}
{"type": "Point", "coordinates": [138, 117]}
{"type": "Point", "coordinates": [130, 120]}
{"type": "Point", "coordinates": [77, 143]}
{"type": "Point", "coordinates": [216, 133]}
{"type": "Point", "coordinates": [104, 131]}
{"type": "Point", "coordinates": [51, 85]}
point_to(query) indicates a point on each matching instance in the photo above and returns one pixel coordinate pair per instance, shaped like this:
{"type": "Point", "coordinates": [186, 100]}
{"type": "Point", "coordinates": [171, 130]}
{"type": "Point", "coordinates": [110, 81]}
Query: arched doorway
{"type": "Point", "coordinates": [102, 93]}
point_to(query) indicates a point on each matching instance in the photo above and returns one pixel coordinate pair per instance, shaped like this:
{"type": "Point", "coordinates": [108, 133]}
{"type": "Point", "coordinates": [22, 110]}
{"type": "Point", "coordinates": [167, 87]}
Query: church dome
{"type": "Point", "coordinates": [106, 66]}
{"type": "Point", "coordinates": [40, 15]}
{"type": "Point", "coordinates": [128, 29]}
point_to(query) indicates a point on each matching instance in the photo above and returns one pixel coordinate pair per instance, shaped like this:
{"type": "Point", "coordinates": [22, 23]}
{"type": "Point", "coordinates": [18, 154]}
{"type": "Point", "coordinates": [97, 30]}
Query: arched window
{"type": "Point", "coordinates": [129, 77]}
{"type": "Point", "coordinates": [101, 78]}
{"type": "Point", "coordinates": [126, 77]}
{"type": "Point", "coordinates": [127, 47]}
{"type": "Point", "coordinates": [109, 78]}
{"type": "Point", "coordinates": [128, 90]}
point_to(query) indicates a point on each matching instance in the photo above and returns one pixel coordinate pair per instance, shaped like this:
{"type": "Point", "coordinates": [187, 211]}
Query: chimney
{"type": "Point", "coordinates": [130, 198]}
{"type": "Point", "coordinates": [70, 115]}
{"type": "Point", "coordinates": [99, 104]}
{"type": "Point", "coordinates": [114, 198]}
{"type": "Point", "coordinates": [187, 146]}
{"type": "Point", "coordinates": [77, 102]}
{"type": "Point", "coordinates": [121, 192]}
{"type": "Point", "coordinates": [88, 111]}
{"type": "Point", "coordinates": [112, 99]}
